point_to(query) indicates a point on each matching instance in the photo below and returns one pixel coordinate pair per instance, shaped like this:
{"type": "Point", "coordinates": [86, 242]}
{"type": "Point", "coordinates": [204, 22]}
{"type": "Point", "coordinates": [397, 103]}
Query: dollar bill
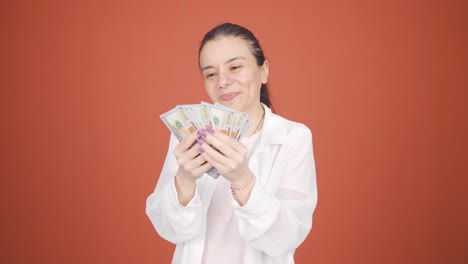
{"type": "Point", "coordinates": [185, 119]}
{"type": "Point", "coordinates": [179, 123]}
{"type": "Point", "coordinates": [202, 114]}
{"type": "Point", "coordinates": [190, 110]}
{"type": "Point", "coordinates": [213, 172]}
{"type": "Point", "coordinates": [239, 120]}
{"type": "Point", "coordinates": [221, 118]}
{"type": "Point", "coordinates": [244, 127]}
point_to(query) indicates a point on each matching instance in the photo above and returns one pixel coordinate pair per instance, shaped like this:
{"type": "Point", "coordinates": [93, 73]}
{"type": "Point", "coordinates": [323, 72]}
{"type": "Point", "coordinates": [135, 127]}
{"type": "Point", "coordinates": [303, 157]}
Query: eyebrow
{"type": "Point", "coordinates": [226, 62]}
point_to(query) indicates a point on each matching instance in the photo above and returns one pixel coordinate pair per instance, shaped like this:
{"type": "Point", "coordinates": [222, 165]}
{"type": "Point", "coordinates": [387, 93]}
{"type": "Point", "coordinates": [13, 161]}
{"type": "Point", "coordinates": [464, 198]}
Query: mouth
{"type": "Point", "coordinates": [228, 96]}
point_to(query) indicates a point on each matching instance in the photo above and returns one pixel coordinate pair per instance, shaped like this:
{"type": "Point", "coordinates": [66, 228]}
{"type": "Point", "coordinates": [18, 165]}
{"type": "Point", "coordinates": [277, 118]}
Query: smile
{"type": "Point", "coordinates": [228, 96]}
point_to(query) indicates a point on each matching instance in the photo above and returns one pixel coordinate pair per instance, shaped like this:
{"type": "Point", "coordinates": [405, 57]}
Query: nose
{"type": "Point", "coordinates": [224, 80]}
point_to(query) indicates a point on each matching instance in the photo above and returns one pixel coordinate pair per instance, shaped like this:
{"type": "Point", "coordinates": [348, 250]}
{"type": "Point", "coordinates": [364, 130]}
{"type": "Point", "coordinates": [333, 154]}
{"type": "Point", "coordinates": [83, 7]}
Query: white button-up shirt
{"type": "Point", "coordinates": [278, 215]}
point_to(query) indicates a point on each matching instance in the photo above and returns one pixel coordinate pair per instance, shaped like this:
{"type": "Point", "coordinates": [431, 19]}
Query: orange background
{"type": "Point", "coordinates": [378, 82]}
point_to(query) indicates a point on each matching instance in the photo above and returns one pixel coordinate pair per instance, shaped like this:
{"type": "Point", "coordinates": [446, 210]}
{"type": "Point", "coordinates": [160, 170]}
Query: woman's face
{"type": "Point", "coordinates": [232, 76]}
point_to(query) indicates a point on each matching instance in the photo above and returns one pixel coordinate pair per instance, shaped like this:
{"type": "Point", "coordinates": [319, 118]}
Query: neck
{"type": "Point", "coordinates": [256, 118]}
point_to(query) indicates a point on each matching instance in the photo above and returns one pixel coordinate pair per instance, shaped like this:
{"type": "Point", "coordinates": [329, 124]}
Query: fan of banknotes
{"type": "Point", "coordinates": [184, 119]}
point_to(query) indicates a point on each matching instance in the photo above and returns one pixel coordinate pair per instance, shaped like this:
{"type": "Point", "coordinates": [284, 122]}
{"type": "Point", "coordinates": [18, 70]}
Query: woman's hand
{"type": "Point", "coordinates": [192, 166]}
{"type": "Point", "coordinates": [227, 155]}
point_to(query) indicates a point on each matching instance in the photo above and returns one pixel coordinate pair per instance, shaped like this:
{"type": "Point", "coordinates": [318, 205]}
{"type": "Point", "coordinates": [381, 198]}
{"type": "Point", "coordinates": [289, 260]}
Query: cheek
{"type": "Point", "coordinates": [210, 89]}
{"type": "Point", "coordinates": [208, 86]}
{"type": "Point", "coordinates": [250, 79]}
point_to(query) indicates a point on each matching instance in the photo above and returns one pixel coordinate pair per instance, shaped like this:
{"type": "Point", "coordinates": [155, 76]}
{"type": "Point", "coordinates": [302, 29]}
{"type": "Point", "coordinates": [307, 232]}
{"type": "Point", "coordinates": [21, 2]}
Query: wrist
{"type": "Point", "coordinates": [184, 181]}
{"type": "Point", "coordinates": [242, 181]}
{"type": "Point", "coordinates": [185, 189]}
{"type": "Point", "coordinates": [241, 193]}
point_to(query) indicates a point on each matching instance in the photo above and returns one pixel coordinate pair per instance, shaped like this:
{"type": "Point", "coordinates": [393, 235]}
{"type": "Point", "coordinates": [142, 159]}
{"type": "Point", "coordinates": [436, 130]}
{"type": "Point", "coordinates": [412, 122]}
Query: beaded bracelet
{"type": "Point", "coordinates": [234, 189]}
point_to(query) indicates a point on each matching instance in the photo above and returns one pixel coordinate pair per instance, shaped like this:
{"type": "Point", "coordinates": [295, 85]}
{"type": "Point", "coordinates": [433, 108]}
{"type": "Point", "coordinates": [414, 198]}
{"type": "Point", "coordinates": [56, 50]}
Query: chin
{"type": "Point", "coordinates": [232, 105]}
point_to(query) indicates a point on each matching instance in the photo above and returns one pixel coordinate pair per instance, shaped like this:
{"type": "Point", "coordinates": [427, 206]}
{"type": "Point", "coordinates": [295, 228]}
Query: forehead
{"type": "Point", "coordinates": [222, 49]}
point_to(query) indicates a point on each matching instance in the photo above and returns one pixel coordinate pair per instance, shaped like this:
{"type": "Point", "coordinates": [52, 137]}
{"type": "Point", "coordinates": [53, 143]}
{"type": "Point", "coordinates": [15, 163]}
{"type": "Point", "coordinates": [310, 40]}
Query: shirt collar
{"type": "Point", "coordinates": [274, 131]}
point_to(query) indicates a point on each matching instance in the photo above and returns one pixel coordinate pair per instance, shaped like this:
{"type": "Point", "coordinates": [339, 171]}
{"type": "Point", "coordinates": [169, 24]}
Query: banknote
{"type": "Point", "coordinates": [189, 110]}
{"type": "Point", "coordinates": [202, 114]}
{"type": "Point", "coordinates": [221, 118]}
{"type": "Point", "coordinates": [179, 122]}
{"type": "Point", "coordinates": [185, 119]}
{"type": "Point", "coordinates": [239, 122]}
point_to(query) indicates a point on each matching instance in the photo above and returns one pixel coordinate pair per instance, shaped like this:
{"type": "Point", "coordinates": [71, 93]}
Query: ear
{"type": "Point", "coordinates": [264, 71]}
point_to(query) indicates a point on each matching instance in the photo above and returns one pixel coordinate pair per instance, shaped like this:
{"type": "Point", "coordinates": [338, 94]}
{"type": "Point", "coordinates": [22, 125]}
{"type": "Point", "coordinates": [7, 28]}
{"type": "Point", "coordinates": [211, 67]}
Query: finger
{"type": "Point", "coordinates": [225, 148]}
{"type": "Point", "coordinates": [212, 162]}
{"type": "Point", "coordinates": [195, 148]}
{"type": "Point", "coordinates": [195, 163]}
{"type": "Point", "coordinates": [199, 160]}
{"type": "Point", "coordinates": [214, 157]}
{"type": "Point", "coordinates": [202, 169]}
{"type": "Point", "coordinates": [187, 142]}
{"type": "Point", "coordinates": [223, 137]}
{"type": "Point", "coordinates": [189, 154]}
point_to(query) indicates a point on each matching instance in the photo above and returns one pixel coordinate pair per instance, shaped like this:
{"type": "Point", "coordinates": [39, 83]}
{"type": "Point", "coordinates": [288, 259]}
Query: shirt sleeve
{"type": "Point", "coordinates": [171, 220]}
{"type": "Point", "coordinates": [277, 223]}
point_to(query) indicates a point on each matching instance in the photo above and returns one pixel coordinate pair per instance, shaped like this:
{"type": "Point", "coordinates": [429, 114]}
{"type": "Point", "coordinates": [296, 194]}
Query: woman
{"type": "Point", "coordinates": [261, 209]}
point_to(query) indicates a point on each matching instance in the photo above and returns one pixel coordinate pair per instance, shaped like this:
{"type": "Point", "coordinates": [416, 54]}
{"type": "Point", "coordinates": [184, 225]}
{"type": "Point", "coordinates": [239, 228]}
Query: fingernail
{"type": "Point", "coordinates": [201, 133]}
{"type": "Point", "coordinates": [199, 141]}
{"type": "Point", "coordinates": [210, 130]}
{"type": "Point", "coordinates": [201, 149]}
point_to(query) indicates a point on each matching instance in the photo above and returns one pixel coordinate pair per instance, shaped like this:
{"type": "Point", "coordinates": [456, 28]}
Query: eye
{"type": "Point", "coordinates": [236, 67]}
{"type": "Point", "coordinates": [210, 76]}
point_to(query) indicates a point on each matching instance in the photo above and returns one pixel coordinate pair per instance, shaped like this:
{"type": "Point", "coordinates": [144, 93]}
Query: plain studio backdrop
{"type": "Point", "coordinates": [378, 82]}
